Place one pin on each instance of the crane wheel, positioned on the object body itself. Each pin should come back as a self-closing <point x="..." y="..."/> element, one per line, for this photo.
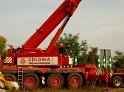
<point x="31" y="81"/>
<point x="9" y="77"/>
<point x="117" y="82"/>
<point x="55" y="81"/>
<point x="74" y="80"/>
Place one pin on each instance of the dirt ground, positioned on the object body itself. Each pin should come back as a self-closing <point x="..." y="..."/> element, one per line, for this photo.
<point x="96" y="89"/>
<point x="118" y="90"/>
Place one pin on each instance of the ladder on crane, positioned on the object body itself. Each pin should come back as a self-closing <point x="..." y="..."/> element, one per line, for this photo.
<point x="20" y="77"/>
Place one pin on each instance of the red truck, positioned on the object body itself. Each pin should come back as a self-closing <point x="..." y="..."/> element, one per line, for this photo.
<point x="32" y="67"/>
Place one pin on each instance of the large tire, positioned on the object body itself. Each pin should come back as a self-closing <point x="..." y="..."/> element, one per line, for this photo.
<point x="55" y="81"/>
<point x="74" y="80"/>
<point x="117" y="81"/>
<point x="10" y="77"/>
<point x="31" y="81"/>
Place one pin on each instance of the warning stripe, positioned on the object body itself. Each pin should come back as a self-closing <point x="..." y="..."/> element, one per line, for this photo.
<point x="8" y="60"/>
<point x="43" y="80"/>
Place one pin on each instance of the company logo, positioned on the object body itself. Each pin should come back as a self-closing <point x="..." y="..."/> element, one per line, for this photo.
<point x="22" y="61"/>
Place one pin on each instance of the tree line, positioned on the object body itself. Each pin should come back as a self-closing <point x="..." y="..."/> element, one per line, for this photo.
<point x="85" y="54"/>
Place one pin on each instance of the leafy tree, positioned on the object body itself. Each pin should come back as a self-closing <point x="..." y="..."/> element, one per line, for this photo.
<point x="2" y="44"/>
<point x="92" y="55"/>
<point x="83" y="53"/>
<point x="119" y="60"/>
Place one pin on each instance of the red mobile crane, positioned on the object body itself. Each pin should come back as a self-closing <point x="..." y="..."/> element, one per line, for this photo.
<point x="29" y="59"/>
<point x="29" y="54"/>
<point x="31" y="66"/>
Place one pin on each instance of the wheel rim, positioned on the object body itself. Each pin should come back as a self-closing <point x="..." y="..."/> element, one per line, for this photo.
<point x="56" y="81"/>
<point x="8" y="78"/>
<point x="117" y="82"/>
<point x="30" y="82"/>
<point x="75" y="81"/>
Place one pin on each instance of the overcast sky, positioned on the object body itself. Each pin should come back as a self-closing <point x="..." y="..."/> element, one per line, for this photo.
<point x="100" y="22"/>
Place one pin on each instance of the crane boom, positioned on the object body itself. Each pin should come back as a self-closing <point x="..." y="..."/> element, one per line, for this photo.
<point x="66" y="8"/>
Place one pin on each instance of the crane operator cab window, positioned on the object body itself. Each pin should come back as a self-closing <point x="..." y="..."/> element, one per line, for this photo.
<point x="63" y="51"/>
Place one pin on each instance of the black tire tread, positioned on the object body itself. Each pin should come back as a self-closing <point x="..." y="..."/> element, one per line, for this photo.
<point x="74" y="74"/>
<point x="54" y="75"/>
<point x="121" y="81"/>
<point x="11" y="75"/>
<point x="36" y="79"/>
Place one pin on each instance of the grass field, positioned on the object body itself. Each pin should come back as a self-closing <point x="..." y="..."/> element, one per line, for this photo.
<point x="83" y="89"/>
<point x="96" y="89"/>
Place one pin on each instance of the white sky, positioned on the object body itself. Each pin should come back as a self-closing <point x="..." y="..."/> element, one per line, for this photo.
<point x="100" y="22"/>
